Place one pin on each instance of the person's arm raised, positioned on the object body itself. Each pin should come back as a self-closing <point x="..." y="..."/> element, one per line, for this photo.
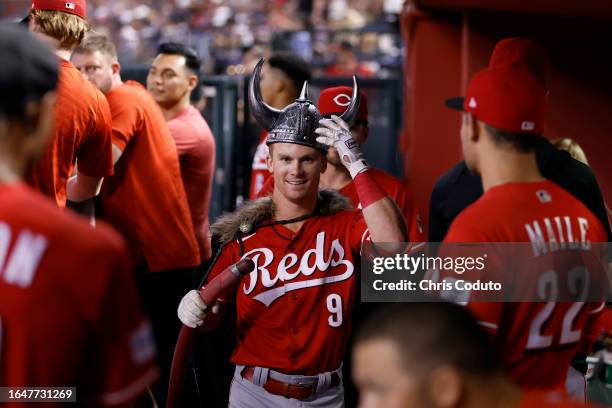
<point x="382" y="215"/>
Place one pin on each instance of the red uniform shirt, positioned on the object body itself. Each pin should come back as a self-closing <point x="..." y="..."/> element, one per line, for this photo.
<point x="535" y="344"/>
<point x="82" y="132"/>
<point x="195" y="145"/>
<point x="539" y="399"/>
<point x="394" y="187"/>
<point x="70" y="313"/>
<point x="145" y="199"/>
<point x="259" y="172"/>
<point x="294" y="309"/>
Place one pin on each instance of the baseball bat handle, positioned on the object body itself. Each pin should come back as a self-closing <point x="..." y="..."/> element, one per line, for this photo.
<point x="182" y="351"/>
<point x="225" y="280"/>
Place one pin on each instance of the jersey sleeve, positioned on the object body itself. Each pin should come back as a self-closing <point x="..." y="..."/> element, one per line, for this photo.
<point x="227" y="257"/>
<point x="358" y="231"/>
<point x="414" y="223"/>
<point x="122" y="354"/>
<point x="95" y="155"/>
<point x="180" y="132"/>
<point x="126" y="117"/>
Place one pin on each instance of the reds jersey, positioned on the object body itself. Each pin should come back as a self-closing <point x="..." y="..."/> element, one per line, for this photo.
<point x="70" y="313"/>
<point x="542" y="399"/>
<point x="398" y="191"/>
<point x="259" y="172"/>
<point x="536" y="341"/>
<point x="294" y="309"/>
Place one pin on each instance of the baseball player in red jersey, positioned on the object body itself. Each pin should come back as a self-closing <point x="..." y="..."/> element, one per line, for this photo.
<point x="281" y="78"/>
<point x="503" y="111"/>
<point x="333" y="101"/>
<point x="294" y="308"/>
<point x="70" y="314"/>
<point x="445" y="360"/>
<point x="82" y="122"/>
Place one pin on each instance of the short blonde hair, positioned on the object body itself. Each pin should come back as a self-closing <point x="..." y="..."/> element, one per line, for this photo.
<point x="93" y="42"/>
<point x="572" y="147"/>
<point x="66" y="28"/>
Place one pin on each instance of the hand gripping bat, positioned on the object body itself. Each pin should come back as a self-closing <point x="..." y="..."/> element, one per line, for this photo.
<point x="182" y="352"/>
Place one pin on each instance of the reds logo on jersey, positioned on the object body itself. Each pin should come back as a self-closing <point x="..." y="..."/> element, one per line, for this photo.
<point x="313" y="265"/>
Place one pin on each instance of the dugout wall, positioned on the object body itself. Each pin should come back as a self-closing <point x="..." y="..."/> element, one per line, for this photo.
<point x="448" y="41"/>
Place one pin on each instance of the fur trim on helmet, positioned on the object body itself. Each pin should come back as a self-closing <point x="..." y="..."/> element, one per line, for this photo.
<point x="248" y="217"/>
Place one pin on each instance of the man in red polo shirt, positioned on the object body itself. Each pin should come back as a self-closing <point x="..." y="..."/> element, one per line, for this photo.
<point x="145" y="199"/>
<point x="173" y="75"/>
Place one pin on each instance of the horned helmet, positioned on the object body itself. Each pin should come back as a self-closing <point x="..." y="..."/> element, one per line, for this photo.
<point x="296" y="123"/>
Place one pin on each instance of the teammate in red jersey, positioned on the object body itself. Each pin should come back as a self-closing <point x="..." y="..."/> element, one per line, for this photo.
<point x="70" y="315"/>
<point x="503" y="113"/>
<point x="146" y="186"/>
<point x="333" y="101"/>
<point x="82" y="121"/>
<point x="294" y="309"/>
<point x="281" y="79"/>
<point x="445" y="360"/>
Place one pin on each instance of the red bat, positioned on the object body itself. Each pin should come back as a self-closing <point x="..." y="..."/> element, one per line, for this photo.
<point x="182" y="352"/>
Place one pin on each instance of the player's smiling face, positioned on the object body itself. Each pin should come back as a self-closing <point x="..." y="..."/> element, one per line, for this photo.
<point x="296" y="169"/>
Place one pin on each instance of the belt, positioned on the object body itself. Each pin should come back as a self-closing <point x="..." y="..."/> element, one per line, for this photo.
<point x="286" y="390"/>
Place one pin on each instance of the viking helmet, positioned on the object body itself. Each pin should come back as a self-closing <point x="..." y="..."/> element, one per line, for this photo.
<point x="297" y="122"/>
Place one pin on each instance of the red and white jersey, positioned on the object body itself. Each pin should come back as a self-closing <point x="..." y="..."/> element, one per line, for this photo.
<point x="259" y="171"/>
<point x="70" y="313"/>
<point x="294" y="309"/>
<point x="536" y="341"/>
<point x="395" y="188"/>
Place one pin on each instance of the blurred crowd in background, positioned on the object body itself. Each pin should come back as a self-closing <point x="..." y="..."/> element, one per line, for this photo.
<point x="231" y="35"/>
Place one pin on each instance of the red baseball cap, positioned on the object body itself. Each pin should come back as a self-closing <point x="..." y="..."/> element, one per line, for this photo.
<point x="521" y="51"/>
<point x="76" y="7"/>
<point x="334" y="101"/>
<point x="507" y="98"/>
